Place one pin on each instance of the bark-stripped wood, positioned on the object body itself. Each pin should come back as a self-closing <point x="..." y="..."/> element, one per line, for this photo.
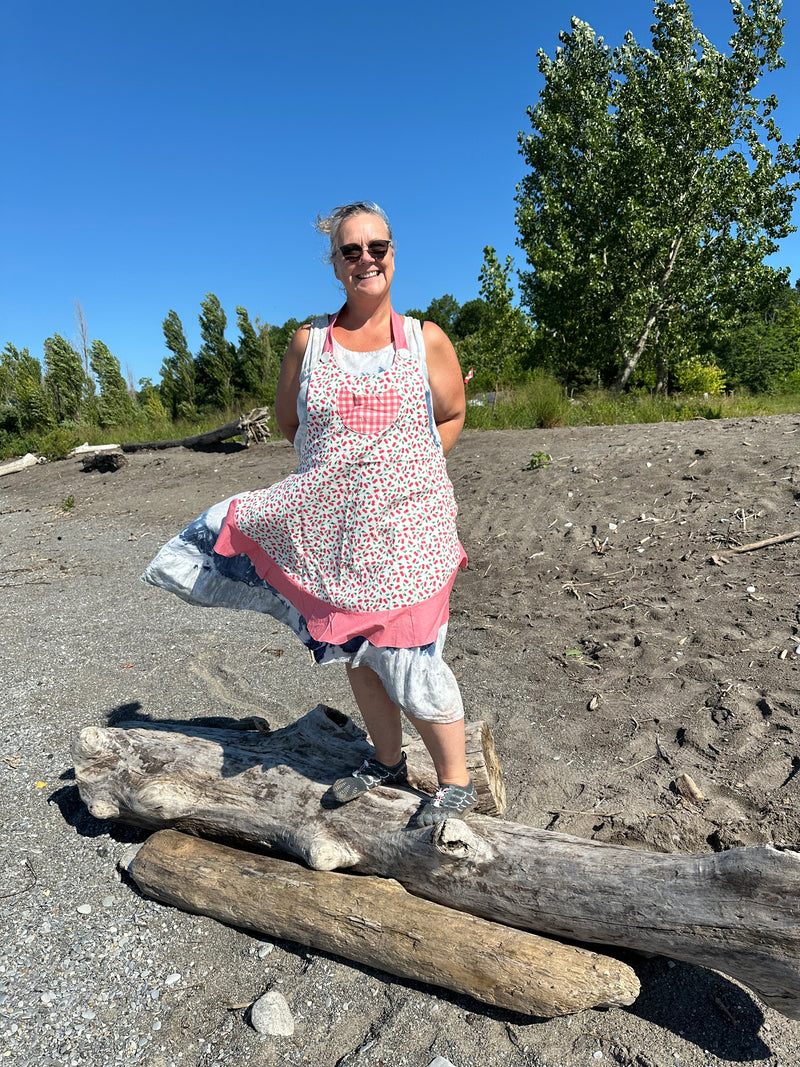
<point x="737" y="911"/>
<point x="376" y="922"/>
<point x="252" y="426"/>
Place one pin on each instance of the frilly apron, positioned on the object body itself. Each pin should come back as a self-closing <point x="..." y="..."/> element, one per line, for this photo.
<point x="361" y="540"/>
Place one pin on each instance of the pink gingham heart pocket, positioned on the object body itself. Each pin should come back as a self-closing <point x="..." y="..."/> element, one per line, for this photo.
<point x="369" y="413"/>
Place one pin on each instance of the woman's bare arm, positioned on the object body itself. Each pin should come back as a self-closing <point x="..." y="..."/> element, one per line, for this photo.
<point x="447" y="385"/>
<point x="289" y="385"/>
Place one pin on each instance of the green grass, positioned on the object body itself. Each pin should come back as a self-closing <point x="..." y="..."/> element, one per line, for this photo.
<point x="543" y="404"/>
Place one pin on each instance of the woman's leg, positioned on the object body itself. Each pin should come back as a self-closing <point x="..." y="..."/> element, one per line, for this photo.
<point x="446" y="745"/>
<point x="443" y="740"/>
<point x="380" y="714"/>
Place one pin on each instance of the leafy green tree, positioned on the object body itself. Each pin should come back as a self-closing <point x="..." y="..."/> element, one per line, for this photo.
<point x="505" y="338"/>
<point x="470" y="318"/>
<point x="22" y="391"/>
<point x="443" y="310"/>
<point x="65" y="380"/>
<point x="150" y="400"/>
<point x="178" y="375"/>
<point x="657" y="181"/>
<point x="216" y="360"/>
<point x="114" y="404"/>
<point x="254" y="357"/>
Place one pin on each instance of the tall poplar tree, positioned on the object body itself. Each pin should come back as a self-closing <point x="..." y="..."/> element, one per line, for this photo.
<point x="178" y="373"/>
<point x="114" y="404"/>
<point x="64" y="379"/>
<point x="658" y="184"/>
<point x="254" y="357"/>
<point x="216" y="360"/>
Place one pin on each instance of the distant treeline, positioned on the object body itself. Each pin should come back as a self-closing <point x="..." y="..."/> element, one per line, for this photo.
<point x="80" y="384"/>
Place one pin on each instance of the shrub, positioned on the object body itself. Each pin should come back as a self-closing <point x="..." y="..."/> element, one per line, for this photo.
<point x="694" y="375"/>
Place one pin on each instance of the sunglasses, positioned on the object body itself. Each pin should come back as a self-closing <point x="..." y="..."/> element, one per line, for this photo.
<point x="353" y="253"/>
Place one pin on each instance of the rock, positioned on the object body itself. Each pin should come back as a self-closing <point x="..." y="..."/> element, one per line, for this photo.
<point x="440" y="1061"/>
<point x="270" y="1015"/>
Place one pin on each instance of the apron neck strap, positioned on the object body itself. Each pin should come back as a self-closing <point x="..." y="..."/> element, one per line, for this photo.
<point x="398" y="332"/>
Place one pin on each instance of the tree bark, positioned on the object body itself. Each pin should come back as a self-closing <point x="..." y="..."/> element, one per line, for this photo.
<point x="738" y="911"/>
<point x="374" y="921"/>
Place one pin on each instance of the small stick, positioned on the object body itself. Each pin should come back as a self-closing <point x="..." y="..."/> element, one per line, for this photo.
<point x="763" y="544"/>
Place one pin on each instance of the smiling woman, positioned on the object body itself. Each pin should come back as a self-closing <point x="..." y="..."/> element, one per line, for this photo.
<point x="357" y="551"/>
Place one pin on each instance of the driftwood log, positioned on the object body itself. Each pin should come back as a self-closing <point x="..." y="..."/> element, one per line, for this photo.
<point x="254" y="426"/>
<point x="375" y="921"/>
<point x="737" y="911"/>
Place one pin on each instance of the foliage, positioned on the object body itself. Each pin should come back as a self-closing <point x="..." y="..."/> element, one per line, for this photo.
<point x="114" y="405"/>
<point x="22" y="390"/>
<point x="57" y="444"/>
<point x="696" y="375"/>
<point x="254" y="358"/>
<point x="178" y="375"/>
<point x="657" y="186"/>
<point x="65" y="381"/>
<point x="216" y="360"/>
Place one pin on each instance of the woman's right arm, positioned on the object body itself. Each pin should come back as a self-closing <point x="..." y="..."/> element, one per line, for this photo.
<point x="289" y="385"/>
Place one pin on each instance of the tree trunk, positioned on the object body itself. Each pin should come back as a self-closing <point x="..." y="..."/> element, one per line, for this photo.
<point x="252" y="425"/>
<point x="738" y="911"/>
<point x="374" y="921"/>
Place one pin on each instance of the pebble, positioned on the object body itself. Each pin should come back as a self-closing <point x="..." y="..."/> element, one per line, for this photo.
<point x="84" y="909"/>
<point x="172" y="979"/>
<point x="265" y="951"/>
<point x="440" y="1061"/>
<point x="107" y="902"/>
<point x="599" y="1055"/>
<point x="751" y="589"/>
<point x="270" y="1014"/>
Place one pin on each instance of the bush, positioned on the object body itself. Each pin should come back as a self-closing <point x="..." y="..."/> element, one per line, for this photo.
<point x="697" y="377"/>
<point x="57" y="444"/>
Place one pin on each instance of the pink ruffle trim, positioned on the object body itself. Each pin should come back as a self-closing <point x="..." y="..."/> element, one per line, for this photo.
<point x="407" y="627"/>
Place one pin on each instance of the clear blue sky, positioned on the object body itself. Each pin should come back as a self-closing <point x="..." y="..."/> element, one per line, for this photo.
<point x="156" y="151"/>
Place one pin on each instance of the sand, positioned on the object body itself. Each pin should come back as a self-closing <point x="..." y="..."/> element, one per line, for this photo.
<point x="604" y="629"/>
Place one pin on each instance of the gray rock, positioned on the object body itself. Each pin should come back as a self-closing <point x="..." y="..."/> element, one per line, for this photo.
<point x="270" y="1015"/>
<point x="440" y="1061"/>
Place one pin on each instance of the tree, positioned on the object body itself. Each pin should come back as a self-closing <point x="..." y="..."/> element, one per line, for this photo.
<point x="655" y="178"/>
<point x="443" y="310"/>
<point x="254" y="357"/>
<point x="22" y="390"/>
<point x="178" y="384"/>
<point x="505" y="337"/>
<point x="114" y="405"/>
<point x="64" y="379"/>
<point x="216" y="360"/>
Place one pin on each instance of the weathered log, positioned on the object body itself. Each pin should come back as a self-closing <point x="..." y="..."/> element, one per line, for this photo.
<point x="376" y="922"/>
<point x="14" y="466"/>
<point x="737" y="911"/>
<point x="253" y="425"/>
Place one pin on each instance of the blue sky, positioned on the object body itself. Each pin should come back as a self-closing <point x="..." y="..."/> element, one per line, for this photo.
<point x="157" y="151"/>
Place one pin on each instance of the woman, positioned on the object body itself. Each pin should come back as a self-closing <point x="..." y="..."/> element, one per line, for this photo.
<point x="358" y="550"/>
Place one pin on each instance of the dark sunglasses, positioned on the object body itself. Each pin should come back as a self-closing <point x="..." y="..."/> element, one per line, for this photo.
<point x="353" y="253"/>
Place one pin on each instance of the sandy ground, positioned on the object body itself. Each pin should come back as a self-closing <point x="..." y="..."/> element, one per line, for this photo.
<point x="602" y="630"/>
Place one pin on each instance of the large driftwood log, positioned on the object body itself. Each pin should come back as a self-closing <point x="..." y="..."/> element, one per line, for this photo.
<point x="737" y="911"/>
<point x="376" y="922"/>
<point x="252" y="426"/>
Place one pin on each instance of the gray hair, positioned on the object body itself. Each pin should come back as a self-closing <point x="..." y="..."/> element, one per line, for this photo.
<point x="332" y="223"/>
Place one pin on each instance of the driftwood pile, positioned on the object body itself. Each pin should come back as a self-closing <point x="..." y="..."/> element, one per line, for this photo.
<point x="448" y="904"/>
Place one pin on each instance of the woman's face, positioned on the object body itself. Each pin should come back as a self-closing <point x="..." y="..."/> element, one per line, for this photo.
<point x="367" y="276"/>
